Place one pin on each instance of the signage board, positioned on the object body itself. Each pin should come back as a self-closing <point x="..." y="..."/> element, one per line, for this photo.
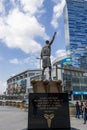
<point x="66" y="62"/>
<point x="48" y="111"/>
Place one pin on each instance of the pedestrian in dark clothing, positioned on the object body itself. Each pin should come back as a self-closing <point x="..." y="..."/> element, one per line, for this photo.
<point x="85" y="112"/>
<point x="81" y="109"/>
<point x="77" y="110"/>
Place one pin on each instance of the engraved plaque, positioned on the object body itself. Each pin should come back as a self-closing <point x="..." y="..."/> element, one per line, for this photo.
<point x="48" y="111"/>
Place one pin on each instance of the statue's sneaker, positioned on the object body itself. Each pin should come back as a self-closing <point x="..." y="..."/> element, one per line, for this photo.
<point x="50" y="79"/>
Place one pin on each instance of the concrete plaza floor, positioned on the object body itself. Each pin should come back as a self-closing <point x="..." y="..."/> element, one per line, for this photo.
<point x="77" y="124"/>
<point x="12" y="118"/>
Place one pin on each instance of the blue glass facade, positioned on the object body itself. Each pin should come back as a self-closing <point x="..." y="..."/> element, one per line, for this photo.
<point x="75" y="19"/>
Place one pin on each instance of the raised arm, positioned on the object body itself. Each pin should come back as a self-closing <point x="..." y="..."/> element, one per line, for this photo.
<point x="52" y="39"/>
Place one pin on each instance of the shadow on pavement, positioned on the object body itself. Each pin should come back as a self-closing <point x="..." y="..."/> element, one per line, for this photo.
<point x="58" y="129"/>
<point x="74" y="129"/>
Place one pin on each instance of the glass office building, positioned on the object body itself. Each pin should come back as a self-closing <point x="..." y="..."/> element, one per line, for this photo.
<point x="75" y="22"/>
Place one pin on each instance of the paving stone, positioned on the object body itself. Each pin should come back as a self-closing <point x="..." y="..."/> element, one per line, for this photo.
<point x="12" y="118"/>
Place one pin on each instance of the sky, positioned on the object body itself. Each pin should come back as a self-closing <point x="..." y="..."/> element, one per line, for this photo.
<point x="24" y="27"/>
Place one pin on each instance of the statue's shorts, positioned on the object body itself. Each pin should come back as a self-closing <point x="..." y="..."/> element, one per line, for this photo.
<point x="46" y="62"/>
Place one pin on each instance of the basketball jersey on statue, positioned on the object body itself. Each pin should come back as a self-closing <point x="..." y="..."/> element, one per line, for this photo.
<point x="46" y="51"/>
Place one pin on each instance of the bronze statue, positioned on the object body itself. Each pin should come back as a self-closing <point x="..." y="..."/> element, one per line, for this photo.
<point x="45" y="56"/>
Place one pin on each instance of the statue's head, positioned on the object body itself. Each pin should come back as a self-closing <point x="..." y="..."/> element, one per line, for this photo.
<point x="47" y="41"/>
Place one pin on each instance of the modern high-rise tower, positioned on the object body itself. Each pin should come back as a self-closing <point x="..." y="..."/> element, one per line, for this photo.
<point x="75" y="22"/>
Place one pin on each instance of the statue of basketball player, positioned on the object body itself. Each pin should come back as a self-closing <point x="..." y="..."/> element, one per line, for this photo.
<point x="45" y="56"/>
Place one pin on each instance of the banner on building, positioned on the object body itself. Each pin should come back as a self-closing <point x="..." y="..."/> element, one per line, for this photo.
<point x="66" y="62"/>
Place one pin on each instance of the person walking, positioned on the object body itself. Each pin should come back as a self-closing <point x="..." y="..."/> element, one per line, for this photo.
<point x="81" y="109"/>
<point x="77" y="109"/>
<point x="85" y="112"/>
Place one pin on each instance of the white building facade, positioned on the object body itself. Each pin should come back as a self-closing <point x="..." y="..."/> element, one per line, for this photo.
<point x="20" y="83"/>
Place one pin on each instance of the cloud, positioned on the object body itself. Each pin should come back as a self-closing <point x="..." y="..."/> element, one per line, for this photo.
<point x="27" y="60"/>
<point x="2" y="10"/>
<point x="32" y="7"/>
<point x="20" y="27"/>
<point x="22" y="61"/>
<point x="52" y="58"/>
<point x="60" y="53"/>
<point x="3" y="86"/>
<point x="18" y="61"/>
<point x="57" y="12"/>
<point x="15" y="61"/>
<point x="1" y="7"/>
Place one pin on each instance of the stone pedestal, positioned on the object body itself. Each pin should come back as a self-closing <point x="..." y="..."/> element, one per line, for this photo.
<point x="47" y="86"/>
<point x="48" y="106"/>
